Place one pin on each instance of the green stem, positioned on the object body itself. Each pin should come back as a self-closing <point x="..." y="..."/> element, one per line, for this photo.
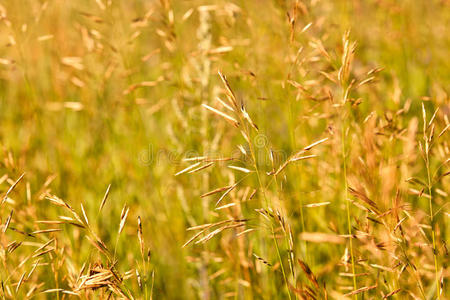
<point x="344" y="157"/>
<point x="433" y="233"/>
<point x="252" y="152"/>
<point x="294" y="145"/>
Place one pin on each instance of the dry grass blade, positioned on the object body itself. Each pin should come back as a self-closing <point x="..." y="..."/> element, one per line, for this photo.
<point x="135" y="86"/>
<point x="226" y="206"/>
<point x="226" y="193"/>
<point x="44" y="246"/>
<point x="222" y="114"/>
<point x="309" y="147"/>
<point x="353" y="275"/>
<point x="224" y="104"/>
<point x="367" y="80"/>
<point x="220" y="50"/>
<point x="139" y="280"/>
<point x="43" y="252"/>
<point x="208" y="159"/>
<point x="433" y="117"/>
<point x="8" y="220"/>
<point x="12" y="188"/>
<point x="309" y="274"/>
<point x="19" y="284"/>
<point x="188" y="168"/>
<point x="84" y="214"/>
<point x="74" y="62"/>
<point x="245" y="232"/>
<point x="140" y="236"/>
<point x="33" y="268"/>
<point x="392" y="293"/>
<point x="245" y="170"/>
<point x="123" y="218"/>
<point x="294" y="159"/>
<point x="317" y="204"/>
<point x="298" y="156"/>
<point x="361" y="290"/>
<point x="384" y="268"/>
<point x="13" y="246"/>
<point x="215" y="191"/>
<point x="306" y="27"/>
<point x="248" y="119"/>
<point x="149" y="55"/>
<point x="70" y="293"/>
<point x="52" y="291"/>
<point x="201" y="167"/>
<point x="193" y="238"/>
<point x="198" y="227"/>
<point x="196" y="158"/>
<point x="230" y="93"/>
<point x="262" y="260"/>
<point x="205" y="227"/>
<point x="46" y="231"/>
<point x="319" y="237"/>
<point x="59" y="202"/>
<point x="99" y="245"/>
<point x="361" y="196"/>
<point x="444" y="130"/>
<point x="211" y="234"/>
<point x="104" y="198"/>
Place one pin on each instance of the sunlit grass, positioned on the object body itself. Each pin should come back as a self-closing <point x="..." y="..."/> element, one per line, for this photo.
<point x="224" y="149"/>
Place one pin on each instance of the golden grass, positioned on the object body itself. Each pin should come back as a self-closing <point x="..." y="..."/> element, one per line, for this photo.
<point x="224" y="149"/>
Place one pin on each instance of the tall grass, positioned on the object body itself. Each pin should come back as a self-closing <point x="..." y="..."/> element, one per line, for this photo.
<point x="224" y="149"/>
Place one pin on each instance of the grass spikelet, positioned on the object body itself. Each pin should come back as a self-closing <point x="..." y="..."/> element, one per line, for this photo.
<point x="8" y="220"/>
<point x="191" y="167"/>
<point x="245" y="170"/>
<point x="140" y="236"/>
<point x="361" y="290"/>
<point x="11" y="188"/>
<point x="215" y="191"/>
<point x="207" y="165"/>
<point x="309" y="274"/>
<point x="105" y="197"/>
<point x="317" y="204"/>
<point x="226" y="193"/>
<point x="230" y="94"/>
<point x="262" y="260"/>
<point x="233" y="121"/>
<point x="123" y="218"/>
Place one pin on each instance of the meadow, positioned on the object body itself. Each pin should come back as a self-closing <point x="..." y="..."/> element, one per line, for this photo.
<point x="228" y="149"/>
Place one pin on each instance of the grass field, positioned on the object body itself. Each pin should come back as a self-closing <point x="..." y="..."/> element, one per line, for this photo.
<point x="241" y="149"/>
